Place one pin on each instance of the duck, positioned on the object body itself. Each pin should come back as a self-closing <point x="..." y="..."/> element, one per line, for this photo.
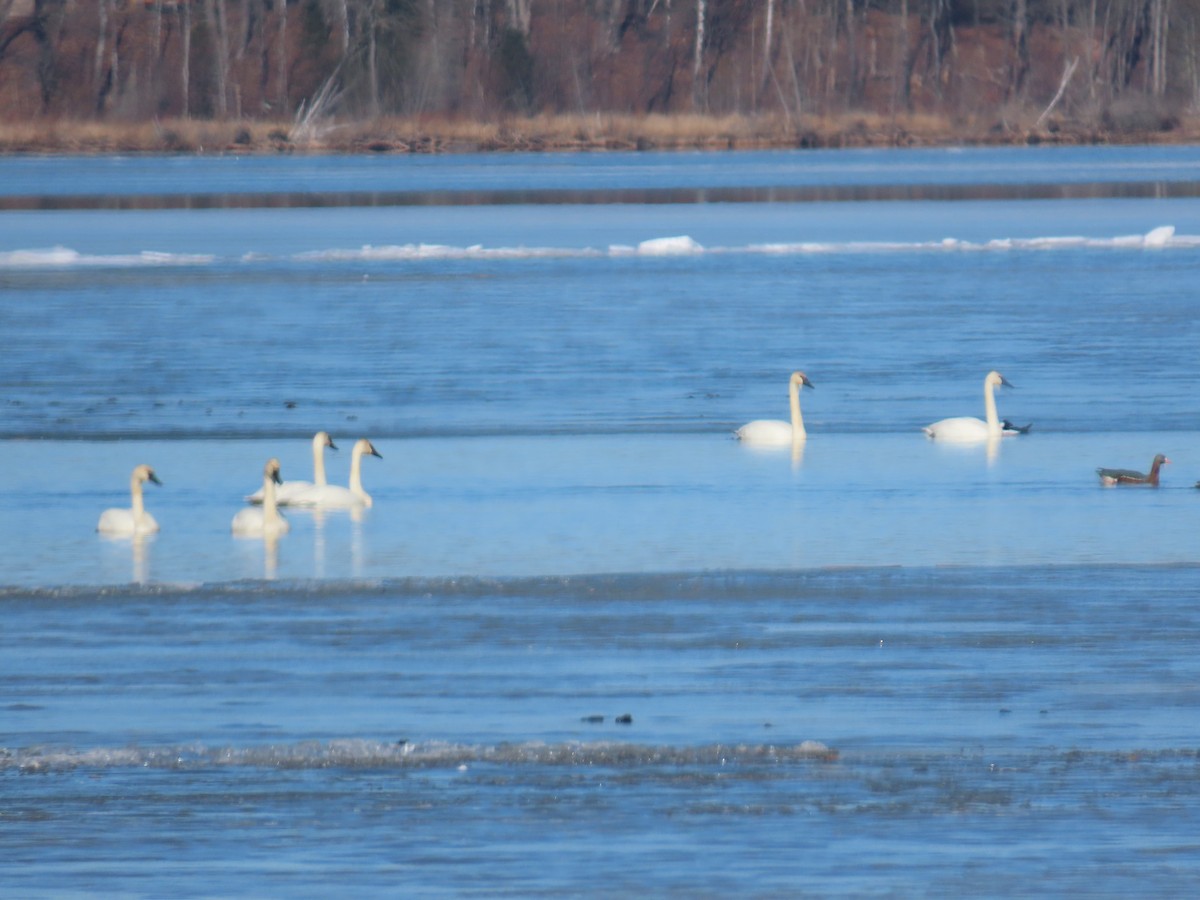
<point x="331" y="496"/>
<point x="776" y="432"/>
<point x="1109" y="477"/>
<point x="263" y="521"/>
<point x="1008" y="429"/>
<point x="284" y="492"/>
<point x="135" y="520"/>
<point x="968" y="428"/>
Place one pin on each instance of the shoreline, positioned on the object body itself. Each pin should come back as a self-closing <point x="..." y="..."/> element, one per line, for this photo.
<point x="558" y="134"/>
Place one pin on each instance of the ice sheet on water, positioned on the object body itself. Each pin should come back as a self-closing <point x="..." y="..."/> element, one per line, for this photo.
<point x="680" y="245"/>
<point x="65" y="257"/>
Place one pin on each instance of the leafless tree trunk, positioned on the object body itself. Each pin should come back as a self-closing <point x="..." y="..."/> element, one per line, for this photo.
<point x="520" y="15"/>
<point x="186" y="63"/>
<point x="1020" y="49"/>
<point x="102" y="10"/>
<point x="283" y="58"/>
<point x="372" y="58"/>
<point x="1062" y="88"/>
<point x="1159" y="24"/>
<point x="156" y="30"/>
<point x="901" y="67"/>
<point x="768" y="36"/>
<point x="341" y="11"/>
<point x="698" y="55"/>
<point x="153" y="60"/>
<point x="853" y="76"/>
<point x="220" y="52"/>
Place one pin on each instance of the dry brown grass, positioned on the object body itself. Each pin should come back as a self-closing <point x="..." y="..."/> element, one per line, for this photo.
<point x="557" y="133"/>
<point x="174" y="136"/>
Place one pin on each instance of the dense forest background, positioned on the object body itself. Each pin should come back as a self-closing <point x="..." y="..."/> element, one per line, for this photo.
<point x="1126" y="63"/>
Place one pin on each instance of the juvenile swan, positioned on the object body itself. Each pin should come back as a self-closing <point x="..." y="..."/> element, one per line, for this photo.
<point x="333" y="495"/>
<point x="968" y="428"/>
<point x="1109" y="477"/>
<point x="775" y="432"/>
<point x="130" y="522"/>
<point x="287" y="490"/>
<point x="263" y="521"/>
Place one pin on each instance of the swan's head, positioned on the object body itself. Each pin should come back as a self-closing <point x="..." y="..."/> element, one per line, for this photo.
<point x="322" y="439"/>
<point x="271" y="470"/>
<point x="144" y="473"/>
<point x="995" y="379"/>
<point x="799" y="379"/>
<point x="365" y="448"/>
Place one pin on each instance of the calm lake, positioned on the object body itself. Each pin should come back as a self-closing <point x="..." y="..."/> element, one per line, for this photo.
<point x="583" y="641"/>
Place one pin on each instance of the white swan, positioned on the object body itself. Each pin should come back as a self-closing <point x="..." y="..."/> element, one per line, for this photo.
<point x="133" y="521"/>
<point x="287" y="490"/>
<point x="263" y="521"/>
<point x="775" y="432"/>
<point x="333" y="495"/>
<point x="968" y="428"/>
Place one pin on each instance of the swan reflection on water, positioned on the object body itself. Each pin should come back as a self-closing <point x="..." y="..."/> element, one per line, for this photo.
<point x="357" y="550"/>
<point x="139" y="553"/>
<point x="318" y="516"/>
<point x="324" y="519"/>
<point x="270" y="557"/>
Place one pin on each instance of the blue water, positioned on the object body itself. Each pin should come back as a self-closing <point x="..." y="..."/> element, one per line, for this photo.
<point x="875" y="666"/>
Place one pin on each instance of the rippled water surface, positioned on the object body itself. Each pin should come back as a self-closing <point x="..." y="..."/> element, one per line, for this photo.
<point x="583" y="641"/>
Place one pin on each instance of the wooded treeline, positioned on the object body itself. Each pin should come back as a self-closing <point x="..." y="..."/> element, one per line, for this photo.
<point x="137" y="60"/>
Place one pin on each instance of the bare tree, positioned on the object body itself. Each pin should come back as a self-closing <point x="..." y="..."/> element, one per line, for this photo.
<point x="373" y="55"/>
<point x="98" y="57"/>
<point x="1159" y="25"/>
<point x="341" y="11"/>
<point x="185" y="74"/>
<point x="282" y="56"/>
<point x="215" y="10"/>
<point x="901" y="64"/>
<point x="768" y="40"/>
<point x="1019" y="65"/>
<point x="520" y="16"/>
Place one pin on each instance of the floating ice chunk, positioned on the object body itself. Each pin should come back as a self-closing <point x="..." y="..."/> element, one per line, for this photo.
<point x="155" y="258"/>
<point x="669" y="246"/>
<point x="416" y="252"/>
<point x="806" y="247"/>
<point x="64" y="256"/>
<point x="1159" y="237"/>
<point x="817" y="748"/>
<point x="53" y="256"/>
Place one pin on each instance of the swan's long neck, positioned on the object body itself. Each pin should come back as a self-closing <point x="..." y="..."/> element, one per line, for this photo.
<point x="798" y="432"/>
<point x="135" y="492"/>
<point x="989" y="404"/>
<point x="319" y="461"/>
<point x="269" y="507"/>
<point x="356" y="487"/>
